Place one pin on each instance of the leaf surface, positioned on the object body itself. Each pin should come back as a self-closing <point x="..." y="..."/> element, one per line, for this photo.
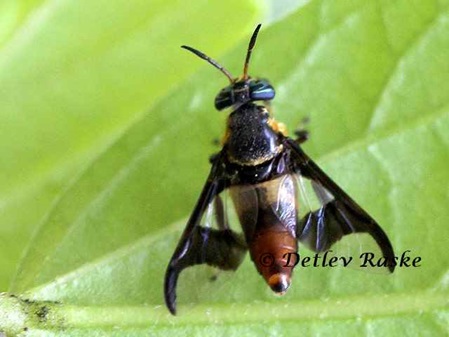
<point x="373" y="76"/>
<point x="74" y="75"/>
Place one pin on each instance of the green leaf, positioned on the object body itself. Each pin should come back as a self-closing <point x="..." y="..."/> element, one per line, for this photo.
<point x="74" y="76"/>
<point x="373" y="76"/>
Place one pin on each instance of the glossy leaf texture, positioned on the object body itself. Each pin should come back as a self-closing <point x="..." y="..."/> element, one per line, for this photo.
<point x="373" y="77"/>
<point x="74" y="75"/>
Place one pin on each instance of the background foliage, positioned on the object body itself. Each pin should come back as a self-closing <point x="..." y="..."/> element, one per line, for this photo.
<point x="106" y="127"/>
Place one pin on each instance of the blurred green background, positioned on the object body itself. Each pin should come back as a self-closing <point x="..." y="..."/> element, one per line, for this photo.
<point x="106" y="126"/>
<point x="75" y="75"/>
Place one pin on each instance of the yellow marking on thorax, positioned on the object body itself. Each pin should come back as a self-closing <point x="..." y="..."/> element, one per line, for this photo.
<point x="259" y="160"/>
<point x="277" y="126"/>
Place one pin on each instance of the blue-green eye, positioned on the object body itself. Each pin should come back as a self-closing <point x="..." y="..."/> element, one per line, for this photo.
<point x="243" y="92"/>
<point x="261" y="90"/>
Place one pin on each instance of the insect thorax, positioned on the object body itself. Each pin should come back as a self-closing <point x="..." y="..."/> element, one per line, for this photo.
<point x="250" y="139"/>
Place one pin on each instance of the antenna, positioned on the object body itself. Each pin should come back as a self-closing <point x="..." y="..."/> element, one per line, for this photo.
<point x="252" y="42"/>
<point x="211" y="61"/>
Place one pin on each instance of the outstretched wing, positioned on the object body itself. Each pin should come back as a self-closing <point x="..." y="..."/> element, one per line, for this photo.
<point x="200" y="243"/>
<point x="337" y="215"/>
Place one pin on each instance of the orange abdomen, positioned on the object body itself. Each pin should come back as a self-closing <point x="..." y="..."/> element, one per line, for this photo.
<point x="269" y="251"/>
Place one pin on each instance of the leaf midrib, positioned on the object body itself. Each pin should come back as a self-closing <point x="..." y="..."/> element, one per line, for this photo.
<point x="353" y="307"/>
<point x="318" y="309"/>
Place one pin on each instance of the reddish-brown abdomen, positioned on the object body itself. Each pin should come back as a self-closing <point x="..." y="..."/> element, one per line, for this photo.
<point x="268" y="215"/>
<point x="269" y="251"/>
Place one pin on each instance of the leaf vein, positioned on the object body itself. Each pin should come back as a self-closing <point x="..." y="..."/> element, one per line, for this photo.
<point x="397" y="62"/>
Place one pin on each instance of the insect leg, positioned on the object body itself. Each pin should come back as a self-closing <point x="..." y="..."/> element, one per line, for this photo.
<point x="301" y="132"/>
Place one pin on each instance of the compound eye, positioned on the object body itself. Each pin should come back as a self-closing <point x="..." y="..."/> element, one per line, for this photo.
<point x="224" y="99"/>
<point x="261" y="90"/>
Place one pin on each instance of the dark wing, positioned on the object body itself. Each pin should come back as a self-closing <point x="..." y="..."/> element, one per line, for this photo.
<point x="338" y="214"/>
<point x="201" y="244"/>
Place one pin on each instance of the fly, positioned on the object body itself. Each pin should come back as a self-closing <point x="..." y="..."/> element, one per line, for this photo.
<point x="265" y="173"/>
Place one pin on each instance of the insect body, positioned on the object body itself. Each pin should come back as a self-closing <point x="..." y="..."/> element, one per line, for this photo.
<point x="264" y="173"/>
